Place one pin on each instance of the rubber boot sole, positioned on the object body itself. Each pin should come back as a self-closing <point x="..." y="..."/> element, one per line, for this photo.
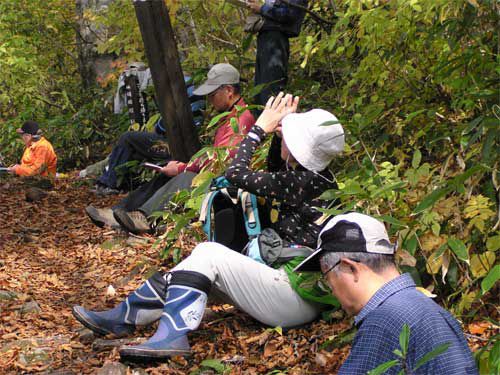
<point x="87" y="323"/>
<point x="148" y="355"/>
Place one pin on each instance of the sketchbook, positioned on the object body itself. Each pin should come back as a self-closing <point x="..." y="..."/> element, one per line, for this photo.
<point x="238" y="3"/>
<point x="152" y="166"/>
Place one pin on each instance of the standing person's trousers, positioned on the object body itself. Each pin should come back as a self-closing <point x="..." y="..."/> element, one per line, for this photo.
<point x="259" y="290"/>
<point x="143" y="146"/>
<point x="271" y="65"/>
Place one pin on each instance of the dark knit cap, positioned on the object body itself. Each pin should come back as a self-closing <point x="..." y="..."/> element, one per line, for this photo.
<point x="29" y="127"/>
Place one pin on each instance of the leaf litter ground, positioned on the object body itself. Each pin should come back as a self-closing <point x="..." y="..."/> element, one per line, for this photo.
<point x="53" y="257"/>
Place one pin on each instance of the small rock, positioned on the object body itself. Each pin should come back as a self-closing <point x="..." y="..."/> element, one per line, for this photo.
<point x="113" y="368"/>
<point x="321" y="360"/>
<point x="35" y="194"/>
<point x="137" y="241"/>
<point x="36" y="356"/>
<point x="7" y="295"/>
<point x="86" y="336"/>
<point x="139" y="371"/>
<point x="30" y="307"/>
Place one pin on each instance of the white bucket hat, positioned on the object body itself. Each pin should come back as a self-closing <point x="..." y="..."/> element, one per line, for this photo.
<point x="313" y="138"/>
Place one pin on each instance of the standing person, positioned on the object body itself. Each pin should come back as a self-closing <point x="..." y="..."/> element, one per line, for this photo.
<point x="39" y="158"/>
<point x="222" y="89"/>
<point x="281" y="20"/>
<point x="273" y="296"/>
<point x="356" y="258"/>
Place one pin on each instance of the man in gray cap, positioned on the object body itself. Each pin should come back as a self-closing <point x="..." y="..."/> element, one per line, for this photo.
<point x="222" y="89"/>
<point x="356" y="258"/>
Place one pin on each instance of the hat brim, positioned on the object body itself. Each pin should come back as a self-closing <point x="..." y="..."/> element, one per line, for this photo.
<point x="206" y="88"/>
<point x="311" y="263"/>
<point x="299" y="144"/>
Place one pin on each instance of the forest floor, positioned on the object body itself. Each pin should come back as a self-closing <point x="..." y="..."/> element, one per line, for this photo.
<point x="52" y="257"/>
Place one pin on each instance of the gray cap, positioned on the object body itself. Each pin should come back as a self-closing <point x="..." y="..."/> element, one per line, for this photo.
<point x="219" y="75"/>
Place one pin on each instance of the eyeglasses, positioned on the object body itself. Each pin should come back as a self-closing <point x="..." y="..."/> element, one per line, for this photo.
<point x="331" y="268"/>
<point x="212" y="94"/>
<point x="336" y="264"/>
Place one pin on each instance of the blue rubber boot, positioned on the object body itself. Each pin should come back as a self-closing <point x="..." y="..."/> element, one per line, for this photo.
<point x="144" y="306"/>
<point x="184" y="307"/>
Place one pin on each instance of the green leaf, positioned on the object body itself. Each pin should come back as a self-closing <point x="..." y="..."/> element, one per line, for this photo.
<point x="491" y="278"/>
<point x="493" y="243"/>
<point x="234" y="125"/>
<point x="328" y="123"/>
<point x="392" y="220"/>
<point x="459" y="248"/>
<point x="381" y="369"/>
<point x="417" y="158"/>
<point x="216" y="119"/>
<point x="495" y="357"/>
<point x="215" y="364"/>
<point x="404" y="339"/>
<point x="432" y="354"/>
<point x="430" y="200"/>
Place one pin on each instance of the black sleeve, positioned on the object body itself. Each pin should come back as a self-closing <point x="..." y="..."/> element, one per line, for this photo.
<point x="285" y="186"/>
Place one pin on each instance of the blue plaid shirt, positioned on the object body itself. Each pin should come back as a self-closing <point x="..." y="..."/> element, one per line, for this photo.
<point x="380" y="323"/>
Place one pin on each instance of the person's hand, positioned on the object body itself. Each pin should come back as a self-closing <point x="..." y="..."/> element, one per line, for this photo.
<point x="254" y="5"/>
<point x="275" y="110"/>
<point x="12" y="168"/>
<point x="171" y="169"/>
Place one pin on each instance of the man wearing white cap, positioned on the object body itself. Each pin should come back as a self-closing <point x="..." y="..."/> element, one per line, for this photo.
<point x="223" y="92"/>
<point x="268" y="291"/>
<point x="356" y="258"/>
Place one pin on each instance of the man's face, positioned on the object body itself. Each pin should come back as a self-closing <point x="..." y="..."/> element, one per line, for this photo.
<point x="341" y="281"/>
<point x="220" y="99"/>
<point x="26" y="138"/>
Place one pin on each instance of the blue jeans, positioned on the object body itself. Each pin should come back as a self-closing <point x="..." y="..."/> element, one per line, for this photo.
<point x="142" y="146"/>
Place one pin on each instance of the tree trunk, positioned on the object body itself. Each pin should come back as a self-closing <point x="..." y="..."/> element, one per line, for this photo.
<point x="168" y="79"/>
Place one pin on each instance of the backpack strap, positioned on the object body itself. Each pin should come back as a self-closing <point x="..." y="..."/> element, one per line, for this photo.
<point x="205" y="213"/>
<point x="251" y="214"/>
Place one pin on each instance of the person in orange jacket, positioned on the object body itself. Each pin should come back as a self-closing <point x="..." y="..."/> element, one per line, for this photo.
<point x="39" y="157"/>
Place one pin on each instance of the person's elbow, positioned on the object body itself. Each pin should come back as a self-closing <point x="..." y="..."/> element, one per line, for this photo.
<point x="231" y="175"/>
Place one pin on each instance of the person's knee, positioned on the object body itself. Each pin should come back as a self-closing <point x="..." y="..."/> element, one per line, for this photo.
<point x="125" y="138"/>
<point x="212" y="250"/>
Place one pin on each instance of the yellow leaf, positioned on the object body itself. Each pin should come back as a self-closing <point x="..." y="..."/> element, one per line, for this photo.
<point x="429" y="241"/>
<point x="434" y="262"/>
<point x="426" y="292"/>
<point x="274" y="215"/>
<point x="480" y="264"/>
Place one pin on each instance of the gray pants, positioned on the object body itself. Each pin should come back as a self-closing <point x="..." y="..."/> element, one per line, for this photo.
<point x="159" y="200"/>
<point x="261" y="291"/>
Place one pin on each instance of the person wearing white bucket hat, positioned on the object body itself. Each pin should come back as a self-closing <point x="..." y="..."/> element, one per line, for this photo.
<point x="269" y="291"/>
<point x="313" y="138"/>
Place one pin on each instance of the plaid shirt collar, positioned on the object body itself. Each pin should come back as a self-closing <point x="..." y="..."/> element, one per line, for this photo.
<point x="399" y="283"/>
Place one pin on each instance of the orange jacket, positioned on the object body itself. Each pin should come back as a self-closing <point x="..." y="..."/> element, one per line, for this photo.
<point x="38" y="159"/>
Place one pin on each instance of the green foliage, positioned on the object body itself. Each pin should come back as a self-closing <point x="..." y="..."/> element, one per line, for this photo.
<point x="213" y="364"/>
<point x="402" y="353"/>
